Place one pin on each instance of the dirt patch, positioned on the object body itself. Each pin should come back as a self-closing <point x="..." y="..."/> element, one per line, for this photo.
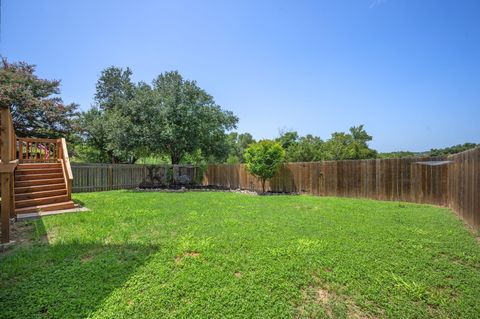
<point x="238" y="274"/>
<point x="323" y="296"/>
<point x="190" y="254"/>
<point x="86" y="258"/>
<point x="321" y="301"/>
<point x="22" y="233"/>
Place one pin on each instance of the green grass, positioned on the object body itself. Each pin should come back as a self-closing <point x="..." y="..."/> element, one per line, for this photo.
<point x="225" y="255"/>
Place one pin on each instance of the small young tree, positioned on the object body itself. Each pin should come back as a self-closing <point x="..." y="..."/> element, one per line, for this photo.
<point x="263" y="159"/>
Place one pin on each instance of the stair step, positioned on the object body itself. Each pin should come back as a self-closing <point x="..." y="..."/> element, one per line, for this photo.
<point x="39" y="165"/>
<point x="45" y="208"/>
<point x="40" y="194"/>
<point x="40" y="201"/>
<point x="39" y="182"/>
<point x="39" y="188"/>
<point x="35" y="171"/>
<point x="37" y="176"/>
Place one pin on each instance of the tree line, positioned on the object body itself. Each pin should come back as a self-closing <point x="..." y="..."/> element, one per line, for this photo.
<point x="310" y="148"/>
<point x="170" y="120"/>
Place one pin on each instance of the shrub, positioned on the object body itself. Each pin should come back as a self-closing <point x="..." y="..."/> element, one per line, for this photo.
<point x="263" y="159"/>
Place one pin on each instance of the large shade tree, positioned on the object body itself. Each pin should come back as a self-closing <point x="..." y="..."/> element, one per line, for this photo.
<point x="173" y="117"/>
<point x="185" y="119"/>
<point x="114" y="126"/>
<point x="37" y="109"/>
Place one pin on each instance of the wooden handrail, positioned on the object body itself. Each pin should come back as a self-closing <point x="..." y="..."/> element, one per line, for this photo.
<point x="67" y="169"/>
<point x="38" y="140"/>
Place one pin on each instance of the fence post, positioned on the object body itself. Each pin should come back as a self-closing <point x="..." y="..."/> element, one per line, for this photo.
<point x="110" y="177"/>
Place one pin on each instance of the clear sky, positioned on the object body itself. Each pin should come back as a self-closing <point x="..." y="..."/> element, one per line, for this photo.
<point x="407" y="69"/>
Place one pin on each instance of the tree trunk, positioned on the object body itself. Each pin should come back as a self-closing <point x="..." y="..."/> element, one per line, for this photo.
<point x="113" y="159"/>
<point x="263" y="186"/>
<point x="175" y="159"/>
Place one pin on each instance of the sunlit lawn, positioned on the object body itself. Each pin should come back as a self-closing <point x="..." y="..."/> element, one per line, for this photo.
<point x="226" y="255"/>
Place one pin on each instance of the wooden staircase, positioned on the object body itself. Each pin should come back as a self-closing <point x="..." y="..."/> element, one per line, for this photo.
<point x="40" y="187"/>
<point x="35" y="175"/>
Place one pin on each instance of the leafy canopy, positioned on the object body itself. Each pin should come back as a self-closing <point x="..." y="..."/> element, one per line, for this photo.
<point x="263" y="159"/>
<point x="453" y="149"/>
<point x="113" y="127"/>
<point x="173" y="117"/>
<point x="185" y="119"/>
<point x="341" y="146"/>
<point x="353" y="145"/>
<point x="37" y="110"/>
<point x="237" y="144"/>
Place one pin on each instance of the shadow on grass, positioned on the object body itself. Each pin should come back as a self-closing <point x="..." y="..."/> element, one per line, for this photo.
<point x="79" y="202"/>
<point x="41" y="280"/>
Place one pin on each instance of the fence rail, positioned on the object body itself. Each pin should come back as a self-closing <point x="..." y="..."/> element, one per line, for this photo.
<point x="454" y="182"/>
<point x="103" y="177"/>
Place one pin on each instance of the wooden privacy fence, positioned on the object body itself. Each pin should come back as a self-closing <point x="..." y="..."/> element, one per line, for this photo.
<point x="103" y="177"/>
<point x="452" y="181"/>
<point x="463" y="188"/>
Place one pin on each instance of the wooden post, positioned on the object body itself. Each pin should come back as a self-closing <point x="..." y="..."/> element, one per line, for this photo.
<point x="12" y="196"/>
<point x="110" y="178"/>
<point x="6" y="177"/>
<point x="6" y="200"/>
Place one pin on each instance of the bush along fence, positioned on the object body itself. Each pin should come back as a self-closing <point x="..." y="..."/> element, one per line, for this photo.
<point x="452" y="181"/>
<point x="103" y="177"/>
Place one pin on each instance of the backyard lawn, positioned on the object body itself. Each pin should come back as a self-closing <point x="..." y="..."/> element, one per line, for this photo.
<point x="221" y="255"/>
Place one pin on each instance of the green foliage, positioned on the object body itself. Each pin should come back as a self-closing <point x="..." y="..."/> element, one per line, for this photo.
<point x="287" y="139"/>
<point x="173" y="117"/>
<point x="360" y="139"/>
<point x="184" y="118"/>
<point x="340" y="146"/>
<point x="399" y="154"/>
<point x="348" y="146"/>
<point x="453" y="149"/>
<point x="433" y="152"/>
<point x="114" y="125"/>
<point x="114" y="88"/>
<point x="85" y="153"/>
<point x="308" y="148"/>
<point x="224" y="255"/>
<point x="263" y="159"/>
<point x="238" y="143"/>
<point x="37" y="110"/>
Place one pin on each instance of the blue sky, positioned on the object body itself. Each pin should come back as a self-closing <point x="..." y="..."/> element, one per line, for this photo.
<point x="407" y="69"/>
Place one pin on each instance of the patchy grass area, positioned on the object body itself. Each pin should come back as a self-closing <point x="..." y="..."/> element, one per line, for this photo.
<point x="220" y="255"/>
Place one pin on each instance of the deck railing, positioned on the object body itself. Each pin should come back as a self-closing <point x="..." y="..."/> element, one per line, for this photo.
<point x="37" y="150"/>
